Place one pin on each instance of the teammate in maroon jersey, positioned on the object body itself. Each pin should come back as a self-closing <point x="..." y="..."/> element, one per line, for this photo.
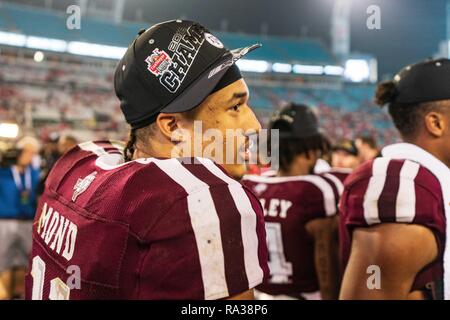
<point x="157" y="226"/>
<point x="394" y="208"/>
<point x="300" y="210"/>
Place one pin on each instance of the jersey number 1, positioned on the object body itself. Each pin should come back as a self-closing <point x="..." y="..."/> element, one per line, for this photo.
<point x="280" y="269"/>
<point x="58" y="289"/>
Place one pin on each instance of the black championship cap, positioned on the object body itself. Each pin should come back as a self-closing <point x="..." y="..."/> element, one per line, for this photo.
<point x="423" y="82"/>
<point x="171" y="67"/>
<point x="295" y="121"/>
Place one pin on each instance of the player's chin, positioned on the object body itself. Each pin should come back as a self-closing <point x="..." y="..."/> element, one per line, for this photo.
<point x="237" y="171"/>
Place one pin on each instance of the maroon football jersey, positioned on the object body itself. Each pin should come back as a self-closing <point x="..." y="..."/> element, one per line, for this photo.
<point x="146" y="229"/>
<point x="289" y="204"/>
<point x="340" y="173"/>
<point x="394" y="191"/>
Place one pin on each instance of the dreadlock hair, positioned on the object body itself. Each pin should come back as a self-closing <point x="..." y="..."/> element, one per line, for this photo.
<point x="130" y="147"/>
<point x="289" y="148"/>
<point x="139" y="136"/>
<point x="406" y="116"/>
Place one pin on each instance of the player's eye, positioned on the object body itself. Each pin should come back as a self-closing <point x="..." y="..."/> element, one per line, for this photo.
<point x="236" y="107"/>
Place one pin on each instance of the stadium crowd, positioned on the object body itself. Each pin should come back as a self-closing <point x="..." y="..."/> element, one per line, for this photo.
<point x="48" y="97"/>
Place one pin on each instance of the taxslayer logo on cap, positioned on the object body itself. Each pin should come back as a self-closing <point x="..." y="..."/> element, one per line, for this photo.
<point x="158" y="62"/>
<point x="172" y="70"/>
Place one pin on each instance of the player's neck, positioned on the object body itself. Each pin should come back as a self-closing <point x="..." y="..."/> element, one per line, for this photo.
<point x="432" y="147"/>
<point x="150" y="152"/>
<point x="372" y="153"/>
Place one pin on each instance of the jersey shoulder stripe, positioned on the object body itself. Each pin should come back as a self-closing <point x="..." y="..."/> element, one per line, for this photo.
<point x="322" y="184"/>
<point x="205" y="225"/>
<point x="337" y="183"/>
<point x="240" y="201"/>
<point x="225" y="226"/>
<point x="390" y="194"/>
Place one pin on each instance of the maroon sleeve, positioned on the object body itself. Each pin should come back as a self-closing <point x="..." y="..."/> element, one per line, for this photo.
<point x="406" y="193"/>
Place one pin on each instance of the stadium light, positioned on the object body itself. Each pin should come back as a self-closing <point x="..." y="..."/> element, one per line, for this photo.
<point x="333" y="70"/>
<point x="282" y="67"/>
<point x="73" y="47"/>
<point x="308" y="69"/>
<point x="95" y="50"/>
<point x="46" y="44"/>
<point x="357" y="70"/>
<point x="12" y="39"/>
<point x="38" y="56"/>
<point x="259" y="66"/>
<point x="9" y="130"/>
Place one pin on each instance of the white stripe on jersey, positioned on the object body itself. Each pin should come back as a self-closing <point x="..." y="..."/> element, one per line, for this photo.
<point x="324" y="186"/>
<point x="92" y="147"/>
<point x="374" y="189"/>
<point x="110" y="161"/>
<point x="405" y="206"/>
<point x="118" y="145"/>
<point x="205" y="224"/>
<point x="327" y="192"/>
<point x="339" y="185"/>
<point x="248" y="223"/>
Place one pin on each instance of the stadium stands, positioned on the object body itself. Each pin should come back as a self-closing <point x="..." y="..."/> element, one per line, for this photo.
<point x="82" y="97"/>
<point x="57" y="94"/>
<point x="42" y="23"/>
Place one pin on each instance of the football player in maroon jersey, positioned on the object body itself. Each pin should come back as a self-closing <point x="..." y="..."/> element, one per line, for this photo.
<point x="157" y="225"/>
<point x="394" y="208"/>
<point x="300" y="212"/>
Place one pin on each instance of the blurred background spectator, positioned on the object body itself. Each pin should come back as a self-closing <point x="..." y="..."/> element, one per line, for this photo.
<point x="19" y="176"/>
<point x="65" y="143"/>
<point x="367" y="148"/>
<point x="345" y="155"/>
<point x="53" y="148"/>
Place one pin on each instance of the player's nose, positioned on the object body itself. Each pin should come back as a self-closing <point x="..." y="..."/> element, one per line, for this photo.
<point x="252" y="123"/>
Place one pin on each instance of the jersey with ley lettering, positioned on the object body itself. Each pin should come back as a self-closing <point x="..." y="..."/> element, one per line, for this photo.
<point x="289" y="204"/>
<point x="395" y="191"/>
<point x="145" y="229"/>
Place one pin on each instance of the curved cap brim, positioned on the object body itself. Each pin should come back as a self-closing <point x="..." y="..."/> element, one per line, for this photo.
<point x="199" y="89"/>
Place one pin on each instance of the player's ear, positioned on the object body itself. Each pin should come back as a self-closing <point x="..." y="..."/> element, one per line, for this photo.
<point x="169" y="125"/>
<point x="435" y="123"/>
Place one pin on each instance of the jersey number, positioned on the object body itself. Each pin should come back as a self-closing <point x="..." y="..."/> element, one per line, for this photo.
<point x="280" y="269"/>
<point x="58" y="289"/>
